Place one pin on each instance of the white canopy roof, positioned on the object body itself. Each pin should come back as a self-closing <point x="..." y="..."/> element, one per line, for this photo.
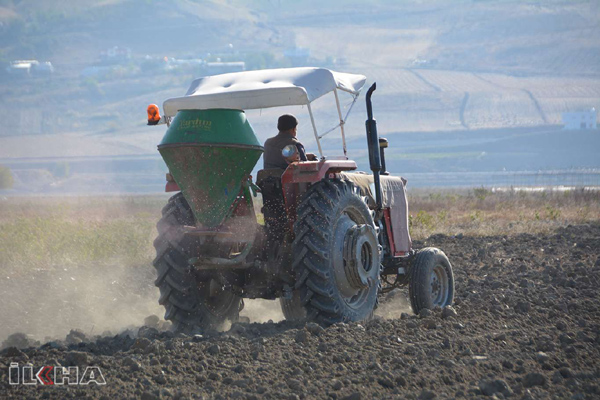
<point x="263" y="89"/>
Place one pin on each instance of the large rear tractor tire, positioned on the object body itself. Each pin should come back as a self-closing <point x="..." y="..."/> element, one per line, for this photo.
<point x="336" y="254"/>
<point x="292" y="308"/>
<point x="431" y="280"/>
<point x="191" y="305"/>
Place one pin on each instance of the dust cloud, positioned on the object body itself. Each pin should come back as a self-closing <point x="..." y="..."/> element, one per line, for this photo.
<point x="47" y="304"/>
<point x="393" y="304"/>
<point x="260" y="310"/>
<point x="390" y="307"/>
<point x="107" y="299"/>
<point x="96" y="300"/>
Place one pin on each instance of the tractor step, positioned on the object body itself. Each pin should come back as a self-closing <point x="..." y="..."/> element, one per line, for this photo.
<point x="216" y="232"/>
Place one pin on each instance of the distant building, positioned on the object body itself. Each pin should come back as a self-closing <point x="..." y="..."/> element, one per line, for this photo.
<point x="580" y="119"/>
<point x="115" y="55"/>
<point x="422" y="63"/>
<point x="22" y="67"/>
<point x="44" y="68"/>
<point x="173" y="63"/>
<point x="30" y="67"/>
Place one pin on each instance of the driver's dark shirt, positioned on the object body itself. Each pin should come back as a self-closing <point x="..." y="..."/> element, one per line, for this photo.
<point x="273" y="158"/>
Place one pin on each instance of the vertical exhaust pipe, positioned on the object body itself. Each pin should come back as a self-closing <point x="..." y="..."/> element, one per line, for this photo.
<point x="373" y="146"/>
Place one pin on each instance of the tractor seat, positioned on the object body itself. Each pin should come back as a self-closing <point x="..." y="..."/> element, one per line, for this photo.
<point x="269" y="174"/>
<point x="276" y="221"/>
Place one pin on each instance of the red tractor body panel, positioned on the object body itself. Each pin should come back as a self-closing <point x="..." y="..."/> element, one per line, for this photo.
<point x="172" y="187"/>
<point x="299" y="175"/>
<point x="314" y="171"/>
<point x="387" y="220"/>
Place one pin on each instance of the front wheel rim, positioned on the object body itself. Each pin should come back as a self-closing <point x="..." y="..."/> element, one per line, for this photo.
<point x="439" y="283"/>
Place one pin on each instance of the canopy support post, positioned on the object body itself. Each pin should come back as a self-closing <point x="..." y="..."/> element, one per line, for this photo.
<point x="312" y="121"/>
<point x="342" y="122"/>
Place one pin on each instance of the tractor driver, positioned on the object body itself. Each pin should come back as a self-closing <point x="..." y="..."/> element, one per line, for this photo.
<point x="274" y="211"/>
<point x="287" y="125"/>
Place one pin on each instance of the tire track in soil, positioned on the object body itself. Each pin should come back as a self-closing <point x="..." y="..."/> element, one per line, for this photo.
<point x="481" y="78"/>
<point x="537" y="105"/>
<point x="463" y="106"/>
<point x="425" y="80"/>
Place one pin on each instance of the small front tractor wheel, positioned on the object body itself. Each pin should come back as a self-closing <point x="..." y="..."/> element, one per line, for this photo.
<point x="191" y="305"/>
<point x="431" y="281"/>
<point x="336" y="255"/>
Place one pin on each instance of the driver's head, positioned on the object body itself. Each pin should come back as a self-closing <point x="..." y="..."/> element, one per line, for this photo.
<point x="287" y="123"/>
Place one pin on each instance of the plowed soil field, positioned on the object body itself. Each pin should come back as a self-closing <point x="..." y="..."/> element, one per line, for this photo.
<point x="525" y="324"/>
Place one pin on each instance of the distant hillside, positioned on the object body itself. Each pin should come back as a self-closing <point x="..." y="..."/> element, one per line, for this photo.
<point x="439" y="65"/>
<point x="517" y="37"/>
<point x="462" y="86"/>
<point x="67" y="32"/>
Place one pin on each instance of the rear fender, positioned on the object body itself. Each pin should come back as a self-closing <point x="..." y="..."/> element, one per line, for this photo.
<point x="300" y="175"/>
<point x="172" y="187"/>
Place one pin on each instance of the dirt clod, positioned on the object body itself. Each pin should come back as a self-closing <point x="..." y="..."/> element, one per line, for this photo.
<point x="301" y="336"/>
<point x="491" y="387"/>
<point x="534" y="379"/>
<point x="424" y="313"/>
<point x="13" y="352"/>
<point x="214" y="349"/>
<point x="314" y="329"/>
<point x="152" y="321"/>
<point x="19" y="340"/>
<point x="141" y="343"/>
<point x="75" y="337"/>
<point x="77" y="358"/>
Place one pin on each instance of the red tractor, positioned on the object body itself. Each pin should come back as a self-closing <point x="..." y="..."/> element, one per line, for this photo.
<point x="331" y="235"/>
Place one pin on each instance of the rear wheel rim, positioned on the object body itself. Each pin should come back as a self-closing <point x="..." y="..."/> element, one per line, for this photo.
<point x="353" y="297"/>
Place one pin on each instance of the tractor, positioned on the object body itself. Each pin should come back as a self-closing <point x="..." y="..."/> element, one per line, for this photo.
<point x="333" y="239"/>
